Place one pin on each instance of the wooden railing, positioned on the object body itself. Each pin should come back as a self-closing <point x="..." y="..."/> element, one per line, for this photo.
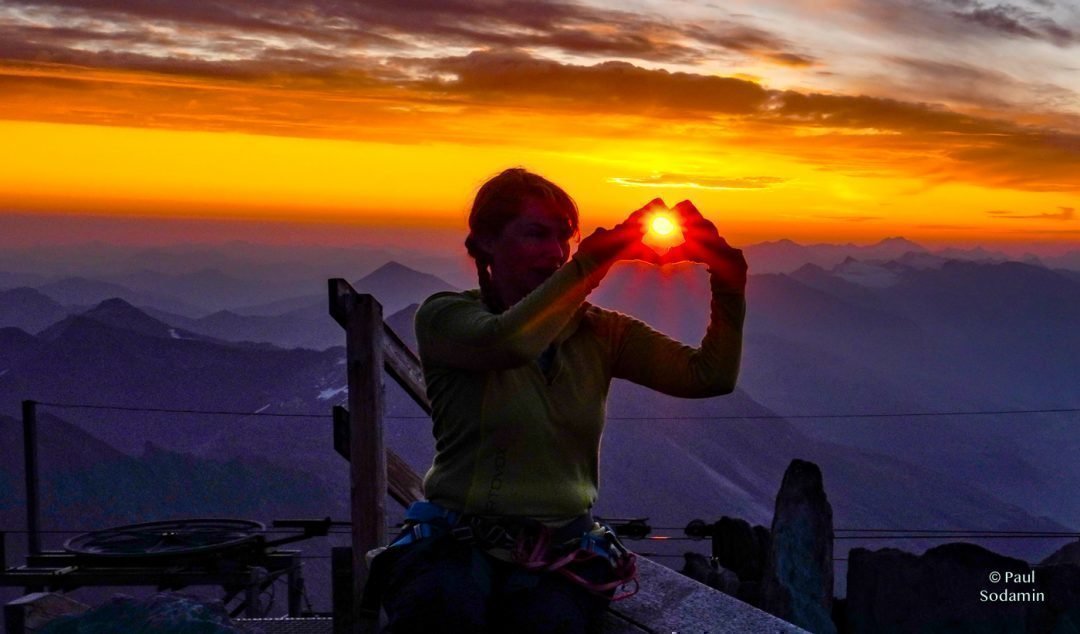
<point x="667" y="602"/>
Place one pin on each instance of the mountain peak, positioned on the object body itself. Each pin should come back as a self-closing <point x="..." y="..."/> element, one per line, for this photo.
<point x="392" y="269"/>
<point x="396" y="285"/>
<point x="900" y="242"/>
<point x="115" y="313"/>
<point x="395" y="275"/>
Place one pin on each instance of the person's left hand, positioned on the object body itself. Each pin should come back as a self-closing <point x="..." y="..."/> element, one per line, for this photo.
<point x="704" y="244"/>
<point x="623" y="241"/>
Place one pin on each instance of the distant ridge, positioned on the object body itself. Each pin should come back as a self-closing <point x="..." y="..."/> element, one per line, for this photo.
<point x="117" y="313"/>
<point x="393" y="284"/>
<point x="785" y="256"/>
<point x="28" y="309"/>
<point x="82" y="291"/>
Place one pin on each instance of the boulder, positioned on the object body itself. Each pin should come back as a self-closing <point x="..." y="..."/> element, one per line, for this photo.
<point x="1067" y="554"/>
<point x="162" y="613"/>
<point x="33" y="611"/>
<point x="891" y="591"/>
<point x="1059" y="612"/>
<point x="711" y="573"/>
<point x="797" y="584"/>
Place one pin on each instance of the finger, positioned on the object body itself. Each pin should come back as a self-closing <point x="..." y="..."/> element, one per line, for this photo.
<point x="687" y="213"/>
<point x="680" y="253"/>
<point x="656" y="204"/>
<point x="686" y="207"/>
<point x="643" y="253"/>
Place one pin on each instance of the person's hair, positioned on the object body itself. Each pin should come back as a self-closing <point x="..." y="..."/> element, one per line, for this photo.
<point x="501" y="199"/>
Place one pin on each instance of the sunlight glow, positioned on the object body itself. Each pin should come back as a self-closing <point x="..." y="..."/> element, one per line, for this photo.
<point x="663" y="232"/>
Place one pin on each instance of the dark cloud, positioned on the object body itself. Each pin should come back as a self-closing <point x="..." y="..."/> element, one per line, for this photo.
<point x="401" y="24"/>
<point x="793" y="60"/>
<point x="615" y="86"/>
<point x="1014" y="21"/>
<point x="966" y="85"/>
<point x="1063" y="214"/>
<point x="871" y="112"/>
<point x="953" y="21"/>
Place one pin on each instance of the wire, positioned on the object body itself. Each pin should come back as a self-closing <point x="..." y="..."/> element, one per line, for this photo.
<point x="726" y="417"/>
<point x="179" y="411"/>
<point x="956" y="530"/>
<point x="959" y="535"/>
<point x="802" y="416"/>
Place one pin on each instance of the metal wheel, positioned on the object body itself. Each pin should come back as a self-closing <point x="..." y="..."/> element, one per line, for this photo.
<point x="162" y="540"/>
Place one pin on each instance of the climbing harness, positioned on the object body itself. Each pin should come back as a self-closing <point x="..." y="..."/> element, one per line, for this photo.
<point x="531" y="544"/>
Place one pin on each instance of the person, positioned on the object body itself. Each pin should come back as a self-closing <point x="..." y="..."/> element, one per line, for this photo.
<point x="517" y="372"/>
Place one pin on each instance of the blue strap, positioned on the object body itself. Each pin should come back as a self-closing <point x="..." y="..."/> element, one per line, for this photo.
<point x="425" y="512"/>
<point x="428" y="520"/>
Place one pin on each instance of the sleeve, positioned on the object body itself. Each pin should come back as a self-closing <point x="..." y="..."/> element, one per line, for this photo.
<point x="456" y="331"/>
<point x="650" y="358"/>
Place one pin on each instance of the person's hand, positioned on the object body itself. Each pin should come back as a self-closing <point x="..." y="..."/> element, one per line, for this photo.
<point x="623" y="241"/>
<point x="704" y="244"/>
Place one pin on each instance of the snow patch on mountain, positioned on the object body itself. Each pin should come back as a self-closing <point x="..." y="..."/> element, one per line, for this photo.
<point x="326" y="395"/>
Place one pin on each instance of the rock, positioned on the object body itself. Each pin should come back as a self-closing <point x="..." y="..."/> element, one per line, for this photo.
<point x="1060" y="611"/>
<point x="891" y="591"/>
<point x="797" y="585"/>
<point x="741" y="548"/>
<point x="711" y="573"/>
<point x="162" y="613"/>
<point x="39" y="608"/>
<point x="1067" y="554"/>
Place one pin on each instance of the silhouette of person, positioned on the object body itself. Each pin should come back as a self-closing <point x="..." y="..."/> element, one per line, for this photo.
<point x="518" y="372"/>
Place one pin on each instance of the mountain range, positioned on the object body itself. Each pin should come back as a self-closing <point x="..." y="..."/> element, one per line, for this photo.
<point x="917" y="334"/>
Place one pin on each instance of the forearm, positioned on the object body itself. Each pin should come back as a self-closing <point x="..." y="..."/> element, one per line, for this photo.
<point x="456" y="332"/>
<point x="654" y="360"/>
<point x="715" y="366"/>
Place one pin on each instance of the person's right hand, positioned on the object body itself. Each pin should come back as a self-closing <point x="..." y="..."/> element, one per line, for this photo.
<point x="623" y="241"/>
<point x="705" y="244"/>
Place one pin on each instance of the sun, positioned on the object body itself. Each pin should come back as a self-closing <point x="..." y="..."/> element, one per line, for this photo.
<point x="663" y="232"/>
<point x="661" y="225"/>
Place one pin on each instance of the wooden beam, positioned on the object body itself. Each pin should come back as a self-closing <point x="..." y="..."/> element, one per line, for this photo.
<point x="361" y="317"/>
<point x="340" y="294"/>
<point x="671" y="602"/>
<point x="403" y="484"/>
<point x="30" y="456"/>
<point x="400" y="362"/>
<point x="405" y="368"/>
<point x="341" y="589"/>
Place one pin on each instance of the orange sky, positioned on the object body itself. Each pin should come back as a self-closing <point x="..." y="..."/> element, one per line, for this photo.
<point x="767" y="140"/>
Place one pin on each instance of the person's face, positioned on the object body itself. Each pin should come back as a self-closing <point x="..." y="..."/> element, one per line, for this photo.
<point x="529" y="249"/>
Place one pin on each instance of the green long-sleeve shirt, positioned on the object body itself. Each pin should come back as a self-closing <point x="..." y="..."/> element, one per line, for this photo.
<point x="514" y="437"/>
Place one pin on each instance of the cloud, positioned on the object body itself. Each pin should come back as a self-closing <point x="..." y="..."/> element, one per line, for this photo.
<point x="947" y="227"/>
<point x="865" y="112"/>
<point x="948" y="21"/>
<point x="296" y="87"/>
<point x="793" y="60"/>
<point x="855" y="219"/>
<point x="1013" y="21"/>
<point x="614" y="86"/>
<point x="968" y="84"/>
<point x="699" y="182"/>
<point x="1063" y="214"/>
<point x="310" y="25"/>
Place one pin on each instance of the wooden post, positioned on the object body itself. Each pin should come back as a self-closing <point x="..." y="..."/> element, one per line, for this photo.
<point x="295" y="578"/>
<point x="361" y="316"/>
<point x="33" y="512"/>
<point x="341" y="579"/>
